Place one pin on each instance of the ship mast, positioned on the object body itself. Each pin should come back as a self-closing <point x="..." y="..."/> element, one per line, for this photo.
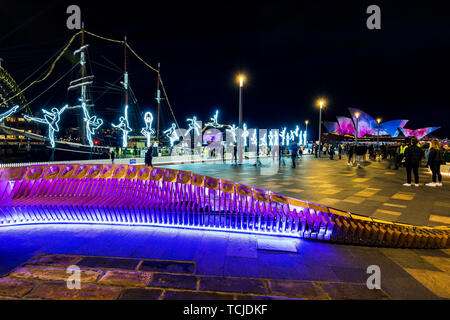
<point x="82" y="83"/>
<point x="125" y="75"/>
<point x="158" y="99"/>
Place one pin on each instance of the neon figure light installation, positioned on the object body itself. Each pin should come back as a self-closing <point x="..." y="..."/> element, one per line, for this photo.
<point x="51" y="119"/>
<point x="124" y="126"/>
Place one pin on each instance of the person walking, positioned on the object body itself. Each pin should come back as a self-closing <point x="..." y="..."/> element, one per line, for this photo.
<point x="331" y="152"/>
<point x="350" y="152"/>
<point x="340" y="151"/>
<point x="294" y="150"/>
<point x="149" y="157"/>
<point x="113" y="156"/>
<point x="235" y="153"/>
<point x="360" y="152"/>
<point x="413" y="155"/>
<point x="223" y="153"/>
<point x="402" y="150"/>
<point x="434" y="161"/>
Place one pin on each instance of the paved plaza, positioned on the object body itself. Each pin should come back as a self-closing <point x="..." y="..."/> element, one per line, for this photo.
<point x="371" y="190"/>
<point x="160" y="263"/>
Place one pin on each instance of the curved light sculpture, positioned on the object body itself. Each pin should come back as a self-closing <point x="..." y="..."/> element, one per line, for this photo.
<point x="132" y="195"/>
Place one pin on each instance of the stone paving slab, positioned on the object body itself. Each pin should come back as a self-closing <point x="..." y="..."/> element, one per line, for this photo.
<point x="141" y="294"/>
<point x="168" y="266"/>
<point x="162" y="280"/>
<point x="60" y="291"/>
<point x="126" y="278"/>
<point x="100" y="262"/>
<point x="345" y="291"/>
<point x="48" y="282"/>
<point x="233" y="285"/>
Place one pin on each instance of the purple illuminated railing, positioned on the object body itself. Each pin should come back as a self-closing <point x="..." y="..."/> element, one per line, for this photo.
<point x="144" y="196"/>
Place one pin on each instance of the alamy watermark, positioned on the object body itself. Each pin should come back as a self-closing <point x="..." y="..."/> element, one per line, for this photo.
<point x="374" y="280"/>
<point x="74" y="280"/>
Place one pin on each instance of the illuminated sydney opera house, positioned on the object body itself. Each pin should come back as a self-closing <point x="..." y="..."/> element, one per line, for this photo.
<point x="362" y="123"/>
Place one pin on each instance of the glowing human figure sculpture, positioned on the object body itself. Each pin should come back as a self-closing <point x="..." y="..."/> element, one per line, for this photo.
<point x="52" y="120"/>
<point x="124" y="126"/>
<point x="254" y="139"/>
<point x="263" y="140"/>
<point x="92" y="124"/>
<point x="233" y="130"/>
<point x="8" y="113"/>
<point x="148" y="131"/>
<point x="245" y="134"/>
<point x="273" y="138"/>
<point x="193" y="125"/>
<point x="215" y="120"/>
<point x="283" y="136"/>
<point x="171" y="133"/>
<point x="300" y="138"/>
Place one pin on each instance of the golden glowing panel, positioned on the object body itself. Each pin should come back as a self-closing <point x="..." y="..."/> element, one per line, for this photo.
<point x="95" y="171"/>
<point x="212" y="183"/>
<point x="198" y="180"/>
<point x="68" y="171"/>
<point x="157" y="174"/>
<point x="34" y="172"/>
<point x="132" y="172"/>
<point x="82" y="171"/>
<point x="52" y="171"/>
<point x="170" y="175"/>
<point x="298" y="203"/>
<point x="13" y="174"/>
<point x="144" y="172"/>
<point x="107" y="172"/>
<point x="243" y="190"/>
<point x="339" y="213"/>
<point x="227" y="186"/>
<point x="120" y="172"/>
<point x="318" y="207"/>
<point x="279" y="198"/>
<point x="261" y="195"/>
<point x="184" y="177"/>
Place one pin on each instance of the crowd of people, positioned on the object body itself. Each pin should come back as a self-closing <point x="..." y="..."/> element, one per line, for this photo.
<point x="409" y="154"/>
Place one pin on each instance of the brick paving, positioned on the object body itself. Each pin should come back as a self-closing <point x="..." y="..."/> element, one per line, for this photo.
<point x="103" y="283"/>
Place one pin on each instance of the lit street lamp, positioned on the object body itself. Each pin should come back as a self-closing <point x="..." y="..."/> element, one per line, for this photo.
<point x="321" y="103"/>
<point x="241" y="79"/>
<point x="306" y="130"/>
<point x="356" y="129"/>
<point x="378" y="135"/>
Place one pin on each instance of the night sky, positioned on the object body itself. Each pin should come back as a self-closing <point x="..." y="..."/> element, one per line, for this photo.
<point x="292" y="52"/>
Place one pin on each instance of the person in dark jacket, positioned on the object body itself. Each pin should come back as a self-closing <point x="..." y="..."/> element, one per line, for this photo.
<point x="149" y="157"/>
<point x="413" y="155"/>
<point x="360" y="151"/>
<point x="294" y="150"/>
<point x="113" y="156"/>
<point x="350" y="152"/>
<point x="435" y="158"/>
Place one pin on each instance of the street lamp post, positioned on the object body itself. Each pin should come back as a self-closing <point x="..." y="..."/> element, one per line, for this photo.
<point x="241" y="79"/>
<point x="378" y="135"/>
<point x="321" y="105"/>
<point x="356" y="129"/>
<point x="306" y="130"/>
